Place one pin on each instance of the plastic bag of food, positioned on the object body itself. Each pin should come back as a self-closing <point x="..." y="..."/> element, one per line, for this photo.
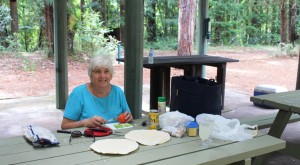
<point x="39" y="136"/>
<point x="174" y="122"/>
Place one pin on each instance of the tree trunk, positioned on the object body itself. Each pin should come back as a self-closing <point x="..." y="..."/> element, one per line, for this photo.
<point x="122" y="27"/>
<point x="41" y="34"/>
<point x="283" y="22"/>
<point x="82" y="9"/>
<point x="298" y="73"/>
<point x="293" y="36"/>
<point x="151" y="21"/>
<point x="266" y="41"/>
<point x="103" y="11"/>
<point x="99" y="6"/>
<point x="166" y="31"/>
<point x="14" y="15"/>
<point x="49" y="27"/>
<point x="186" y="27"/>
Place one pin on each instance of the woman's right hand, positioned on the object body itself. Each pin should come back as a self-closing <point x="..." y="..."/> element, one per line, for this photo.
<point x="95" y="121"/>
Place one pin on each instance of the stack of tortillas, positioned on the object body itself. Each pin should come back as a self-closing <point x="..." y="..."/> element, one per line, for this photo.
<point x="114" y="146"/>
<point x="148" y="137"/>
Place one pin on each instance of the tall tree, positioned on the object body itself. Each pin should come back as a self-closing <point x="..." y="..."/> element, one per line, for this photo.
<point x="99" y="6"/>
<point x="48" y="11"/>
<point x="186" y="28"/>
<point x="293" y="36"/>
<point x="122" y="27"/>
<point x="72" y="25"/>
<point x="103" y="11"/>
<point x="151" y="20"/>
<point x="82" y="8"/>
<point x="14" y="15"/>
<point x="283" y="19"/>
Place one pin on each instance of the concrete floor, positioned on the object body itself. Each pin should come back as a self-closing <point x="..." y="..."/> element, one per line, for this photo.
<point x="41" y="111"/>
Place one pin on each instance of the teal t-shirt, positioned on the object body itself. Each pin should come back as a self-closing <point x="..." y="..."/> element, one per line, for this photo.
<point x="82" y="104"/>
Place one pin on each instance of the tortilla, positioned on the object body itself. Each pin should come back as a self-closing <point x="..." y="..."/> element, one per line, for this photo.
<point x="148" y="137"/>
<point x="114" y="146"/>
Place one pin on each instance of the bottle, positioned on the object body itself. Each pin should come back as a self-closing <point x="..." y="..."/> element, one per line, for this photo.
<point x="161" y="105"/>
<point x="150" y="59"/>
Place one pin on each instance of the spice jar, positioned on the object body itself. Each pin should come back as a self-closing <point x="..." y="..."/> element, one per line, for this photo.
<point x="192" y="128"/>
<point x="161" y="105"/>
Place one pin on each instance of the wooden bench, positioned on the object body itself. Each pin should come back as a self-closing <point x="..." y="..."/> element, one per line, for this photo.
<point x="265" y="121"/>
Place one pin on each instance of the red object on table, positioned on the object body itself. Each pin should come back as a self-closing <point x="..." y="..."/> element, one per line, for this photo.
<point x="98" y="131"/>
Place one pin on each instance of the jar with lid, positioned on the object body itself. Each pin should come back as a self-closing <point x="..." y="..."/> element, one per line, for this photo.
<point x="161" y="105"/>
<point x="192" y="128"/>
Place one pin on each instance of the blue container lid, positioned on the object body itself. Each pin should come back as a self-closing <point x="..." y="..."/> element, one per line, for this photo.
<point x="192" y="124"/>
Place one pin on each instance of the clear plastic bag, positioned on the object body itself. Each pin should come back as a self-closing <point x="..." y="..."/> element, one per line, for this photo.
<point x="229" y="129"/>
<point x="174" y="123"/>
<point x="39" y="136"/>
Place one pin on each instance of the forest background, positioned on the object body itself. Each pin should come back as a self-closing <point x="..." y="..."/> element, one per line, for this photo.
<point x="26" y="27"/>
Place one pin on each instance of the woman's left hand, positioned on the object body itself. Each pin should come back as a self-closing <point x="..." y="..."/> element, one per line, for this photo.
<point x="128" y="116"/>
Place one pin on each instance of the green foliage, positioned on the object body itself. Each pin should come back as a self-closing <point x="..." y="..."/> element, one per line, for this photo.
<point x="233" y="23"/>
<point x="27" y="64"/>
<point x="13" y="43"/>
<point x="162" y="43"/>
<point x="90" y="36"/>
<point x="286" y="50"/>
<point x="4" y="17"/>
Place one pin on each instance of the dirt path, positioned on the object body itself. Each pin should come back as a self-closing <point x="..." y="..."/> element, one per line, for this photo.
<point x="254" y="67"/>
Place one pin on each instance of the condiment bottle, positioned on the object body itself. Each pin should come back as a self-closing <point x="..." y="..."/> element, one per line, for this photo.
<point x="192" y="128"/>
<point x="161" y="105"/>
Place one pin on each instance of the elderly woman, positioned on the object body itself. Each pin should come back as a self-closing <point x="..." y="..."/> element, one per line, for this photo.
<point x="94" y="103"/>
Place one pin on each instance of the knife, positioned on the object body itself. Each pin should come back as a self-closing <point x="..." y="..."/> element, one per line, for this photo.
<point x="112" y="120"/>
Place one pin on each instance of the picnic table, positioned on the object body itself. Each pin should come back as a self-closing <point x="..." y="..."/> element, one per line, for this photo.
<point x="191" y="65"/>
<point x="185" y="150"/>
<point x="288" y="103"/>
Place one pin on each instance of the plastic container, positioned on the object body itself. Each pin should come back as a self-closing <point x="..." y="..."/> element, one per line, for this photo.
<point x="151" y="55"/>
<point x="161" y="104"/>
<point x="267" y="89"/>
<point x="192" y="129"/>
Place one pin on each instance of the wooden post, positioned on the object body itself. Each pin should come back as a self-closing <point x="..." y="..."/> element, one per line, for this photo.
<point x="60" y="52"/>
<point x="134" y="45"/>
<point x="298" y="73"/>
<point x="202" y="42"/>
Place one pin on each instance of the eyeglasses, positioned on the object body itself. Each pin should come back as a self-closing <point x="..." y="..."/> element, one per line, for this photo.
<point x="76" y="134"/>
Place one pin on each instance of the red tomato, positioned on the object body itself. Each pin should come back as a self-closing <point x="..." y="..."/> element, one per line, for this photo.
<point x="121" y="118"/>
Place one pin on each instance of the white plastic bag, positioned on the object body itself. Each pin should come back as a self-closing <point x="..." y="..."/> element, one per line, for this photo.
<point x="228" y="129"/>
<point x="174" y="122"/>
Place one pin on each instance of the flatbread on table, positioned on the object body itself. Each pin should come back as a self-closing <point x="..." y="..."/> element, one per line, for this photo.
<point x="148" y="137"/>
<point x="114" y="146"/>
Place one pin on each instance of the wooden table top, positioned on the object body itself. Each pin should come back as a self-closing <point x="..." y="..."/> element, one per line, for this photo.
<point x="183" y="60"/>
<point x="176" y="151"/>
<point x="285" y="100"/>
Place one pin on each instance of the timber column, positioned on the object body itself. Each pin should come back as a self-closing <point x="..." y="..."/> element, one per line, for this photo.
<point x="60" y="52"/>
<point x="134" y="46"/>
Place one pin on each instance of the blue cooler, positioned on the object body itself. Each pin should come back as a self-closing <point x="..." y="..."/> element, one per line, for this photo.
<point x="267" y="89"/>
